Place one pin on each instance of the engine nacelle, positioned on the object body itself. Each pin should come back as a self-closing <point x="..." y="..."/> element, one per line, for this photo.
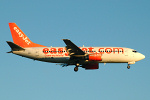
<point x="94" y="57"/>
<point x="90" y="66"/>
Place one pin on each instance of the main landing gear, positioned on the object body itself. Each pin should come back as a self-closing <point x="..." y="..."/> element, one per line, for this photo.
<point x="76" y="68"/>
<point x="128" y="66"/>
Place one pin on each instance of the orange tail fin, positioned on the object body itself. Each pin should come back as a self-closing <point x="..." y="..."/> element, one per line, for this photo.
<point x="20" y="38"/>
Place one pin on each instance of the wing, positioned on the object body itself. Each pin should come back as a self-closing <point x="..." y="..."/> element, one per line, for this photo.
<point x="72" y="48"/>
<point x="80" y="58"/>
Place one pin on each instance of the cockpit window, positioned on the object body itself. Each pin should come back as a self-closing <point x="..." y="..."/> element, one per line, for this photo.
<point x="134" y="51"/>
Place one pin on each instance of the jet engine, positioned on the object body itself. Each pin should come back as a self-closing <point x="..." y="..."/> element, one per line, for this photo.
<point x="94" y="57"/>
<point x="90" y="66"/>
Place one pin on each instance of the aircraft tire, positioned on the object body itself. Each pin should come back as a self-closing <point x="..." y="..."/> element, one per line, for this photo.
<point x="128" y="67"/>
<point x="76" y="69"/>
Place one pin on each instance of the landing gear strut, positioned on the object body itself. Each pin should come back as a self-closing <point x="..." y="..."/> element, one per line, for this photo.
<point x="128" y="66"/>
<point x="77" y="64"/>
<point x="76" y="68"/>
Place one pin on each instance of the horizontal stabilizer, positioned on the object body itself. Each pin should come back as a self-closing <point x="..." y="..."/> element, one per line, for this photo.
<point x="14" y="46"/>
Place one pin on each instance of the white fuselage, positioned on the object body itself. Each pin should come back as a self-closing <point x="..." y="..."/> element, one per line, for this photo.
<point x="60" y="55"/>
<point x="71" y="54"/>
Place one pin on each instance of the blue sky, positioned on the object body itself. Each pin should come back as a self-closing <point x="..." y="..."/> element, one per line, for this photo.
<point x="123" y="23"/>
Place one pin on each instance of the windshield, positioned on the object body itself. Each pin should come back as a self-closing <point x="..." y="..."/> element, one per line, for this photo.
<point x="134" y="51"/>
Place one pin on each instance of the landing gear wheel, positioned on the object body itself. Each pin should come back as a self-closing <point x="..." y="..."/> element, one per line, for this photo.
<point x="128" y="67"/>
<point x="76" y="69"/>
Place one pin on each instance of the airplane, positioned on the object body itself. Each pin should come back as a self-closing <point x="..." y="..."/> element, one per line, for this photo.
<point x="85" y="57"/>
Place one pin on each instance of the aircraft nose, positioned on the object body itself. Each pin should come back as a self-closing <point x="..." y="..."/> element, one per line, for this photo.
<point x="142" y="56"/>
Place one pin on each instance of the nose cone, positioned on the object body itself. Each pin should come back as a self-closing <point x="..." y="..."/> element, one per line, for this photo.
<point x="141" y="56"/>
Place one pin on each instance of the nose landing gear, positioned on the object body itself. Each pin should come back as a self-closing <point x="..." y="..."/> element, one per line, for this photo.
<point x="128" y="67"/>
<point x="76" y="68"/>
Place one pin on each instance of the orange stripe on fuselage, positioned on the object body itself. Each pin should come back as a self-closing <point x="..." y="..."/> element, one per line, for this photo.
<point x="97" y="50"/>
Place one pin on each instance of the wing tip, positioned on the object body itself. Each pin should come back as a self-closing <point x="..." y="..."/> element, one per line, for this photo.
<point x="65" y="39"/>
